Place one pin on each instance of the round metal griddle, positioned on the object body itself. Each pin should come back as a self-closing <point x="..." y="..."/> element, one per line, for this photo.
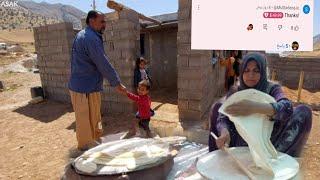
<point x="219" y="165"/>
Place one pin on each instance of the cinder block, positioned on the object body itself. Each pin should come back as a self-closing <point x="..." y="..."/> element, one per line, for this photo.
<point x="112" y="16"/>
<point x="59" y="85"/>
<point x="184" y="13"/>
<point x="50" y="64"/>
<point x="66" y="49"/>
<point x="65" y="56"/>
<point x="194" y="105"/>
<point x="129" y="34"/>
<point x="53" y="35"/>
<point x="182" y="104"/>
<point x="123" y="24"/>
<point x="112" y="36"/>
<point x="198" y="84"/>
<point x="184" y="49"/>
<point x="43" y="36"/>
<point x="183" y="83"/>
<point x="182" y="61"/>
<point x="106" y="89"/>
<point x="53" y="42"/>
<point x="117" y="108"/>
<point x="105" y="107"/>
<point x="184" y="37"/>
<point x="130" y="108"/>
<point x="63" y="26"/>
<point x="127" y="14"/>
<point x="52" y="27"/>
<point x="113" y="55"/>
<point x="186" y="115"/>
<point x="44" y="43"/>
<point x="189" y="94"/>
<point x="43" y="29"/>
<point x="56" y="49"/>
<point x="184" y="25"/>
<point x="190" y="73"/>
<point x="112" y="98"/>
<point x="199" y="60"/>
<point x="109" y="26"/>
<point x="125" y="45"/>
<point x="128" y="54"/>
<point x="184" y="3"/>
<point x="35" y="30"/>
<point x="123" y="99"/>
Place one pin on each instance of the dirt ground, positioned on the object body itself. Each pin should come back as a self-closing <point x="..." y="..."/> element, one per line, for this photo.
<point x="36" y="140"/>
<point x="18" y="35"/>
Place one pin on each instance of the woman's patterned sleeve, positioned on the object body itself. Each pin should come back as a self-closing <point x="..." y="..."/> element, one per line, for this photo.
<point x="283" y="107"/>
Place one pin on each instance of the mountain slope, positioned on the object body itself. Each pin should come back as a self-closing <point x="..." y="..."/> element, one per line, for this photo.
<point x="21" y="18"/>
<point x="57" y="11"/>
<point x="30" y="14"/>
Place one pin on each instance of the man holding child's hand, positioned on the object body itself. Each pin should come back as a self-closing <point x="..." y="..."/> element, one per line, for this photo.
<point x="89" y="65"/>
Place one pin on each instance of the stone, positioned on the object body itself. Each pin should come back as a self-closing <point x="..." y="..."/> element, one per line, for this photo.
<point x="1" y="85"/>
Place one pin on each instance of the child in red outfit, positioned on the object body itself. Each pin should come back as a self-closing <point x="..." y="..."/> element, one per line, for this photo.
<point x="144" y="109"/>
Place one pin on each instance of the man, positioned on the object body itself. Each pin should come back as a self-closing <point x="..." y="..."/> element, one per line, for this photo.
<point x="89" y="65"/>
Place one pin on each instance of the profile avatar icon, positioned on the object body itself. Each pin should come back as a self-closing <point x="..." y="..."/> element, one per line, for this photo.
<point x="295" y="45"/>
<point x="250" y="27"/>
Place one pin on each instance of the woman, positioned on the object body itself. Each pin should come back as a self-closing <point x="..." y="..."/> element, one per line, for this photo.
<point x="291" y="125"/>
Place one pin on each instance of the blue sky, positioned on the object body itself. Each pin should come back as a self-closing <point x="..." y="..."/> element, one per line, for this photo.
<point x="154" y="7"/>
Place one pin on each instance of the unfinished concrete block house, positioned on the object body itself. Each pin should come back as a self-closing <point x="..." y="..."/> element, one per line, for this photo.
<point x="185" y="82"/>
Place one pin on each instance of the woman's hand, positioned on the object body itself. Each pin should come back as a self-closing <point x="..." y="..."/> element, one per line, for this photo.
<point x="247" y="107"/>
<point x="224" y="139"/>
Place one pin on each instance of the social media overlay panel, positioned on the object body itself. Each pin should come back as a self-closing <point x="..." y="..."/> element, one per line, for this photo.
<point x="270" y="25"/>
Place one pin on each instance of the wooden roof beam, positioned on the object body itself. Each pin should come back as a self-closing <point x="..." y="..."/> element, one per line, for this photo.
<point x="119" y="7"/>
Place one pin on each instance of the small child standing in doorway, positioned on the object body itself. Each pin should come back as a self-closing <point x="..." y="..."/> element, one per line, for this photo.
<point x="140" y="72"/>
<point x="144" y="113"/>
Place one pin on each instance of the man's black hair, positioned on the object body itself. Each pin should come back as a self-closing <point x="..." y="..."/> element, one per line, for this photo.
<point x="92" y="15"/>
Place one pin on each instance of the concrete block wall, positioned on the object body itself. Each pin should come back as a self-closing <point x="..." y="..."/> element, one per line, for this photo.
<point x="288" y="71"/>
<point x="197" y="80"/>
<point x="53" y="45"/>
<point x="122" y="45"/>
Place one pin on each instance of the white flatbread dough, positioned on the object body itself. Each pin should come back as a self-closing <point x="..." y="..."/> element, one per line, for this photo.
<point x="124" y="154"/>
<point x="86" y="166"/>
<point x="133" y="158"/>
<point x="219" y="165"/>
<point x="255" y="129"/>
<point x="172" y="140"/>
